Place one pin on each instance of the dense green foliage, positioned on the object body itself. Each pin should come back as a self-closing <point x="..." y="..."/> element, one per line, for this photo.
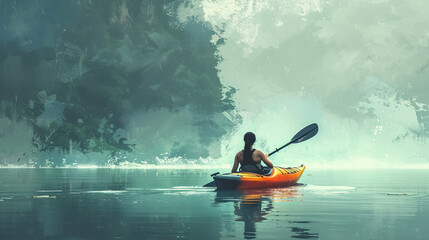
<point x="92" y="64"/>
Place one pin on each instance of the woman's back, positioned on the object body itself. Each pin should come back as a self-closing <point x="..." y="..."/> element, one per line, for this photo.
<point x="250" y="161"/>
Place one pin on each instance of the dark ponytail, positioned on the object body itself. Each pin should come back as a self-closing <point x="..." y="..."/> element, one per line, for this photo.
<point x="249" y="140"/>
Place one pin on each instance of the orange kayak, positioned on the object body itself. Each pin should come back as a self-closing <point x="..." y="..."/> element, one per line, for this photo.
<point x="276" y="178"/>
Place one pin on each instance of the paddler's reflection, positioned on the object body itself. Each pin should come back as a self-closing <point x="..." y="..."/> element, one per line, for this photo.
<point x="250" y="211"/>
<point x="252" y="206"/>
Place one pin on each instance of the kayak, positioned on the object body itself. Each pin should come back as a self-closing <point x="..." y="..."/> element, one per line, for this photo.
<point x="275" y="178"/>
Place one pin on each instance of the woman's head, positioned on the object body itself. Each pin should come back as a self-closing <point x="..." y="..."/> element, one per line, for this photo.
<point x="249" y="138"/>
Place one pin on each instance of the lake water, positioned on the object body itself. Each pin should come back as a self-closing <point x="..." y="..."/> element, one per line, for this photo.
<point x="170" y="204"/>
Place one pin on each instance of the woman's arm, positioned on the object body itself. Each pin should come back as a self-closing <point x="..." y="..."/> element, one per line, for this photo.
<point x="235" y="166"/>
<point x="266" y="160"/>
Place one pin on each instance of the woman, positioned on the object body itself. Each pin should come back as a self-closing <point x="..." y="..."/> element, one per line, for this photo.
<point x="250" y="159"/>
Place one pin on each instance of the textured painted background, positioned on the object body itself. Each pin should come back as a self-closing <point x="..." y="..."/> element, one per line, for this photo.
<point x="171" y="82"/>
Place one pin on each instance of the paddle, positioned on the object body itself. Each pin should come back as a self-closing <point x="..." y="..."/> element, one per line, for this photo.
<point x="303" y="135"/>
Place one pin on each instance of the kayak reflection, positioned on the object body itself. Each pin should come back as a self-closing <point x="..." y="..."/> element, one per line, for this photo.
<point x="254" y="205"/>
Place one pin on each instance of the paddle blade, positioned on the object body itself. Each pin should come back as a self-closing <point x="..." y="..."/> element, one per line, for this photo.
<point x="306" y="133"/>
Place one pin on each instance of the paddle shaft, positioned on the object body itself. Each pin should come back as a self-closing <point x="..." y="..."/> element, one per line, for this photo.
<point x="278" y="149"/>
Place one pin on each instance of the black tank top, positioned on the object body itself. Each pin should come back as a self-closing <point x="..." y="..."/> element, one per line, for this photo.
<point x="248" y="165"/>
